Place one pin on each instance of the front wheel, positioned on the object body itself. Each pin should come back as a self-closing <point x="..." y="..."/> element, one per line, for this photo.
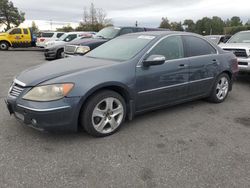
<point x="220" y="89"/>
<point x="103" y="114"/>
<point x="60" y="54"/>
<point x="4" y="45"/>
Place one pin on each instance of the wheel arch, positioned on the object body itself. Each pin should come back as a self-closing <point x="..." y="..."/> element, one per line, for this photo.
<point x="9" y="43"/>
<point x="230" y="74"/>
<point x="120" y="88"/>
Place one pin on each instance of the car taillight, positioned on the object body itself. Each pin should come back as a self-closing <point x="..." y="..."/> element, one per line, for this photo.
<point x="42" y="40"/>
<point x="235" y="65"/>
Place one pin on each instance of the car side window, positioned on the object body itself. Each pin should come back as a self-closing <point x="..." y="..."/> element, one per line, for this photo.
<point x="70" y="37"/>
<point x="170" y="47"/>
<point x="16" y="31"/>
<point x="126" y="31"/>
<point x="59" y="35"/>
<point x="196" y="46"/>
<point x="25" y="31"/>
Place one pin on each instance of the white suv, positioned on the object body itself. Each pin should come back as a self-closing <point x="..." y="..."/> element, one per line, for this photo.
<point x="46" y="37"/>
<point x="239" y="44"/>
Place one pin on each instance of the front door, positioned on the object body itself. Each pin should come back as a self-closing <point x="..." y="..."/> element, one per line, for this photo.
<point x="163" y="84"/>
<point x="15" y="37"/>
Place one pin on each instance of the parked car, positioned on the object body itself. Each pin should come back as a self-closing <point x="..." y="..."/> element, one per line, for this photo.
<point x="239" y="44"/>
<point x="46" y="37"/>
<point x="106" y="34"/>
<point x="115" y="81"/>
<point x="217" y="39"/>
<point x="55" y="49"/>
<point x="16" y="38"/>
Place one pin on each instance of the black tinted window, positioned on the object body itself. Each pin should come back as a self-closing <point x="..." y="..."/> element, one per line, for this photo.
<point x="138" y="29"/>
<point x="170" y="47"/>
<point x="196" y="46"/>
<point x="16" y="31"/>
<point x="70" y="37"/>
<point x="126" y="31"/>
<point x="47" y="35"/>
<point x="25" y="31"/>
<point x="59" y="35"/>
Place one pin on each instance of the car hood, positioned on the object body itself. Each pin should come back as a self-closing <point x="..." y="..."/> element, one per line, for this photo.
<point x="52" y="44"/>
<point x="89" y="41"/>
<point x="3" y="34"/>
<point x="39" y="74"/>
<point x="235" y="45"/>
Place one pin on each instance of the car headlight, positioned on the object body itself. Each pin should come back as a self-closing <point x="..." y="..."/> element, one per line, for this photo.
<point x="49" y="92"/>
<point x="82" y="49"/>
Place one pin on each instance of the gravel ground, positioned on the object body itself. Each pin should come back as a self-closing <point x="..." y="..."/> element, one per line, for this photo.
<point x="197" y="144"/>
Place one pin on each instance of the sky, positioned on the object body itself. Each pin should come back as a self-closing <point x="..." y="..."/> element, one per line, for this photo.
<point x="148" y="13"/>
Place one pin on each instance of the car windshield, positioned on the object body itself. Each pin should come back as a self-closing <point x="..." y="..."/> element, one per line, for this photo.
<point x="122" y="48"/>
<point x="108" y="33"/>
<point x="215" y="39"/>
<point x="240" y="38"/>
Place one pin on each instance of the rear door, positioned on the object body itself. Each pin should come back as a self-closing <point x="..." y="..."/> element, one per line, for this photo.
<point x="203" y="67"/>
<point x="26" y="37"/>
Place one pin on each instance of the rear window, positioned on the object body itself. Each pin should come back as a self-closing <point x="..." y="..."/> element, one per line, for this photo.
<point x="47" y="35"/>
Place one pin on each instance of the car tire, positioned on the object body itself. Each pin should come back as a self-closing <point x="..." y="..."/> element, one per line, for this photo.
<point x="59" y="54"/>
<point x="220" y="89"/>
<point x="4" y="46"/>
<point x="103" y="114"/>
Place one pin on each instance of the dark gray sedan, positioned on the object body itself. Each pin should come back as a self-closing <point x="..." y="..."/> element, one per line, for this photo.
<point x="126" y="76"/>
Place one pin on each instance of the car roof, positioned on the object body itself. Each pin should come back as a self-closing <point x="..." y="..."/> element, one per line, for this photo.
<point x="163" y="33"/>
<point x="248" y="31"/>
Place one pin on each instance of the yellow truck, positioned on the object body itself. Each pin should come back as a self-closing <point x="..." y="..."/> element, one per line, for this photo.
<point x="17" y="38"/>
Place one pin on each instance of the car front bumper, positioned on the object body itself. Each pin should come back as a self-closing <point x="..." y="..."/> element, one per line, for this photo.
<point x="57" y="115"/>
<point x="244" y="64"/>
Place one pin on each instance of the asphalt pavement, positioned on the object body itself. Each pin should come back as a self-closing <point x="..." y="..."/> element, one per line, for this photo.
<point x="197" y="144"/>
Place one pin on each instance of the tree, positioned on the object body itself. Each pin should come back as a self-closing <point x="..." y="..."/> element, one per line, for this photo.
<point x="94" y="19"/>
<point x="217" y="25"/>
<point x="165" y="23"/>
<point x="247" y="23"/>
<point x="235" y="21"/>
<point x="10" y="15"/>
<point x="176" y="26"/>
<point x="34" y="27"/>
<point x="190" y="25"/>
<point x="66" y="28"/>
<point x="204" y="26"/>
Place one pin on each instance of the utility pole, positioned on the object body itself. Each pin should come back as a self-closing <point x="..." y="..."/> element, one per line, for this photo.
<point x="136" y="24"/>
<point x="51" y="25"/>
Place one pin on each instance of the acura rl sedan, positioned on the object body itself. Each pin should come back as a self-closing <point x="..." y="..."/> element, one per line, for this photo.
<point x="126" y="76"/>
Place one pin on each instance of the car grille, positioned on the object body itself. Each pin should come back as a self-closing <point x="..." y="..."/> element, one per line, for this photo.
<point x="238" y="52"/>
<point x="70" y="49"/>
<point x="15" y="90"/>
<point x="243" y="63"/>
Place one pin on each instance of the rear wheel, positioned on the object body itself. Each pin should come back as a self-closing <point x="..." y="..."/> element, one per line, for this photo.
<point x="4" y="45"/>
<point x="220" y="89"/>
<point x="103" y="114"/>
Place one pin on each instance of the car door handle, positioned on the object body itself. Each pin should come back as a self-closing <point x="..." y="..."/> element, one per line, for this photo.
<point x="182" y="66"/>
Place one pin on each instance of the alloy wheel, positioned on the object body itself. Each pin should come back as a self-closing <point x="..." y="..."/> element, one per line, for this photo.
<point x="222" y="88"/>
<point x="107" y="115"/>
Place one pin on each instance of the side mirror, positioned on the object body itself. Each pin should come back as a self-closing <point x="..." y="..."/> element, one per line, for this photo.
<point x="154" y="60"/>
